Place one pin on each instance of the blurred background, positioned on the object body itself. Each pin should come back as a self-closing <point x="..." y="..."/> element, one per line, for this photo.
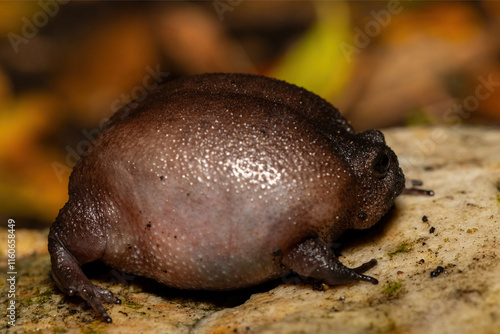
<point x="65" y="67"/>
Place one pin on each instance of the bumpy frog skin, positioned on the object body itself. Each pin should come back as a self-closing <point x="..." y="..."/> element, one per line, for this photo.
<point x="222" y="181"/>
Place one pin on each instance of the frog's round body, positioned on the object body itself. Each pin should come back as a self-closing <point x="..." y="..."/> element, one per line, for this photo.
<point x="214" y="180"/>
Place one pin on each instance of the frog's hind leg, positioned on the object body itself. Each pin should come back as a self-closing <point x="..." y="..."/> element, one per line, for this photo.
<point x="314" y="259"/>
<point x="71" y="280"/>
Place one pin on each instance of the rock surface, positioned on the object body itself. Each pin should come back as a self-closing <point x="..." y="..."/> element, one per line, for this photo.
<point x="457" y="242"/>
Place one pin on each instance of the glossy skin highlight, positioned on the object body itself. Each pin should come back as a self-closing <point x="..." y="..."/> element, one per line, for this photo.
<point x="222" y="181"/>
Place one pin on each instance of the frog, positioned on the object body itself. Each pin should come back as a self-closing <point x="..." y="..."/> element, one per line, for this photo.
<point x="222" y="181"/>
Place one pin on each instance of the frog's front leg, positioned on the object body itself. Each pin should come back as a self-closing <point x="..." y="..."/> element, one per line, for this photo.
<point x="70" y="279"/>
<point x="314" y="259"/>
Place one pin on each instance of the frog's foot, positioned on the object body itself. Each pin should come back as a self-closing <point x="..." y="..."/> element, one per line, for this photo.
<point x="94" y="295"/>
<point x="71" y="280"/>
<point x="314" y="259"/>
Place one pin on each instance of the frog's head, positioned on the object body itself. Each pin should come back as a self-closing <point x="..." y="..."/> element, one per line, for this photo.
<point x="379" y="178"/>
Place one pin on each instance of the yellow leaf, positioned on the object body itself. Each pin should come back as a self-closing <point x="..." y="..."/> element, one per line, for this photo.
<point x="317" y="62"/>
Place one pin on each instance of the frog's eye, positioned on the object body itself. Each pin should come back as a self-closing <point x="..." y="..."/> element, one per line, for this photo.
<point x="381" y="165"/>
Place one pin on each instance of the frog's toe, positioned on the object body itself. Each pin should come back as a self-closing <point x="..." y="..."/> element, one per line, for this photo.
<point x="106" y="296"/>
